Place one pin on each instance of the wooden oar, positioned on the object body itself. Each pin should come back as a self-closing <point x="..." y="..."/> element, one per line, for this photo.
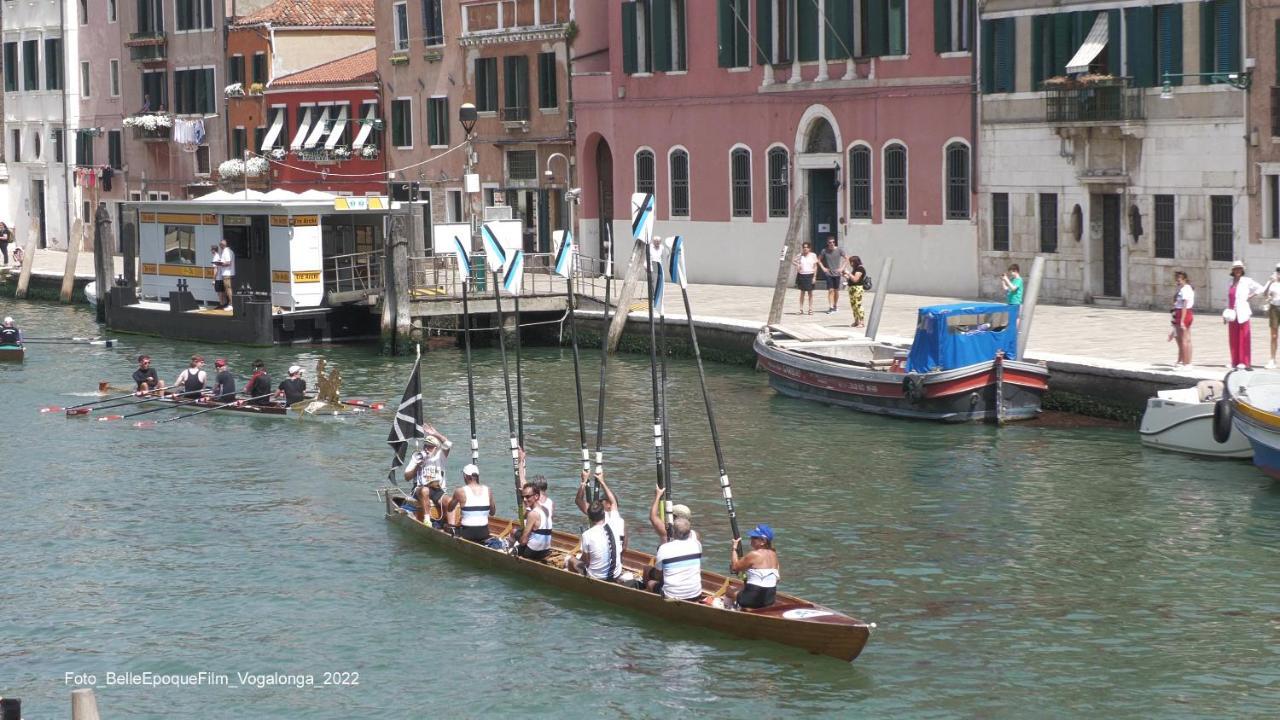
<point x="151" y="395"/>
<point x="594" y="488"/>
<point x="678" y="275"/>
<point x="653" y="379"/>
<point x="57" y="408"/>
<point x="506" y="382"/>
<point x="471" y="392"/>
<point x="57" y="341"/>
<point x="166" y="406"/>
<point x="147" y="423"/>
<point x="662" y="386"/>
<point x="577" y="373"/>
<point x="519" y="381"/>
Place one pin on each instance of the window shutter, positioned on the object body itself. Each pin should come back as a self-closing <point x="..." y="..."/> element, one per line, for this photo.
<point x="742" y="33"/>
<point x="1039" y="27"/>
<point x="941" y="26"/>
<point x="764" y="31"/>
<point x="1062" y="49"/>
<point x="1277" y="55"/>
<point x="724" y="50"/>
<point x="629" y="38"/>
<point x="1005" y="55"/>
<point x="1113" y="43"/>
<point x="1227" y="14"/>
<point x="877" y="27"/>
<point x="839" y="28"/>
<point x="807" y="25"/>
<point x="660" y="30"/>
<point x="1139" y="28"/>
<point x="1206" y="37"/>
<point x="1169" y="19"/>
<point x="988" y="56"/>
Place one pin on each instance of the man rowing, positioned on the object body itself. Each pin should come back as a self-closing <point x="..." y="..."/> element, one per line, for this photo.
<point x="191" y="381"/>
<point x="427" y="466"/>
<point x="10" y="335"/>
<point x="677" y="511"/>
<point x="601" y="556"/>
<point x="259" y="386"/>
<point x="610" y="505"/>
<point x="477" y="505"/>
<point x="535" y="540"/>
<point x="761" y="567"/>
<point x="293" y="388"/>
<point x="224" y="383"/>
<point x="145" y="379"/>
<point x="678" y="571"/>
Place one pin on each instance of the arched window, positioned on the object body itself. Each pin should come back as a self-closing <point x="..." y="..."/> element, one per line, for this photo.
<point x="644" y="171"/>
<point x="957" y="181"/>
<point x="779" y="182"/>
<point x="679" y="166"/>
<point x="860" y="182"/>
<point x="740" y="177"/>
<point x="821" y="137"/>
<point x="895" y="182"/>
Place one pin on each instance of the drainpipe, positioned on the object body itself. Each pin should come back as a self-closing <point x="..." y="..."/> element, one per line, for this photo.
<point x="976" y="93"/>
<point x="66" y="132"/>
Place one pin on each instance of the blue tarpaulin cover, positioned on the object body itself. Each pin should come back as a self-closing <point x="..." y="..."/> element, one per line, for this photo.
<point x="962" y="334"/>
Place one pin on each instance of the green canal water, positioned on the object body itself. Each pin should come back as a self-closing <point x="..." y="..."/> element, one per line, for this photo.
<point x="1025" y="572"/>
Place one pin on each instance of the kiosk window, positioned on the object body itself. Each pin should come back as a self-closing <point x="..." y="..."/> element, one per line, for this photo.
<point x="179" y="244"/>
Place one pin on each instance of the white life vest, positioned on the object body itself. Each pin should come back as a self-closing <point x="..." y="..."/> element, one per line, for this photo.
<point x="765" y="578"/>
<point x="475" y="513"/>
<point x="540" y="539"/>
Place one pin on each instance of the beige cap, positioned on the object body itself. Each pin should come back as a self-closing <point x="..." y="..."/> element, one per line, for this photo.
<point x="681" y="511"/>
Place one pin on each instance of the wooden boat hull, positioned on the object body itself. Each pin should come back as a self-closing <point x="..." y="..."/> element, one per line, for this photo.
<point x="12" y="353"/>
<point x="266" y="411"/>
<point x="790" y="621"/>
<point x="1182" y="421"/>
<point x="1249" y="393"/>
<point x="961" y="395"/>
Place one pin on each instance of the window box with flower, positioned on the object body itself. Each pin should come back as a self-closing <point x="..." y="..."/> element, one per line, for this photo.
<point x="369" y="152"/>
<point x="257" y="88"/>
<point x="150" y="126"/>
<point x="234" y="90"/>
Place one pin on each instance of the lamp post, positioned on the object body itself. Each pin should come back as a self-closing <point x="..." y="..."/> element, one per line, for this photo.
<point x="571" y="194"/>
<point x="467" y="117"/>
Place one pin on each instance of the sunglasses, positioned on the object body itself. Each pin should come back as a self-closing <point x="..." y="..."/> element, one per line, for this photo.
<point x="528" y="497"/>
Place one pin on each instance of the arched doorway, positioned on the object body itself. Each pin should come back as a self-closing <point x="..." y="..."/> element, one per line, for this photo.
<point x="604" y="192"/>
<point x="818" y="159"/>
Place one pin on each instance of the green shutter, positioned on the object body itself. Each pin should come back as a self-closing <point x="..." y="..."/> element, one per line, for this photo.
<point x="1169" y="39"/>
<point x="1039" y="25"/>
<point x="1062" y="48"/>
<point x="941" y="26"/>
<point x="629" y="61"/>
<point x="877" y="27"/>
<point x="724" y="36"/>
<point x="660" y="30"/>
<point x="764" y="31"/>
<point x="742" y="33"/>
<point x="807" y="24"/>
<point x="988" y="56"/>
<point x="1005" y="54"/>
<point x="1113" y="42"/>
<point x="1140" y="29"/>
<point x="839" y="28"/>
<point x="1227" y="13"/>
<point x="1206" y="37"/>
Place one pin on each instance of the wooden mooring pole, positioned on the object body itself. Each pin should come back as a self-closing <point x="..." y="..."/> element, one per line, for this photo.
<point x="790" y="248"/>
<point x="84" y="706"/>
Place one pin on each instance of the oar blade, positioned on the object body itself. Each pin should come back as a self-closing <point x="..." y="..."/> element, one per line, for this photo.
<point x="145" y="424"/>
<point x="76" y="412"/>
<point x="109" y="418"/>
<point x="51" y="409"/>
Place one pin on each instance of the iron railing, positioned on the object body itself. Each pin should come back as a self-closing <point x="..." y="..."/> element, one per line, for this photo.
<point x="436" y="277"/>
<point x="1101" y="101"/>
<point x="353" y="275"/>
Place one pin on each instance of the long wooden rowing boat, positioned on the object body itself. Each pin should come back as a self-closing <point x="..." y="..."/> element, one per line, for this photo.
<point x="789" y="621"/>
<point x="307" y="409"/>
<point x="12" y="353"/>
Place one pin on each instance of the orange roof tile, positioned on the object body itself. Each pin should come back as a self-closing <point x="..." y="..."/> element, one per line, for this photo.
<point x="360" y="67"/>
<point x="313" y="13"/>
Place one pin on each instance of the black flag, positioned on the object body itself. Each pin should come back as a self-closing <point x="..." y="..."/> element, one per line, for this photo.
<point x="408" y="422"/>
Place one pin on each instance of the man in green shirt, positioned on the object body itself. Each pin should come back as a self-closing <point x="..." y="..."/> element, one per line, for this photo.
<point x="1011" y="281"/>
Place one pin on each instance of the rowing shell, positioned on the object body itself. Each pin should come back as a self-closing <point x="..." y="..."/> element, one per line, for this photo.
<point x="306" y="409"/>
<point x="790" y="620"/>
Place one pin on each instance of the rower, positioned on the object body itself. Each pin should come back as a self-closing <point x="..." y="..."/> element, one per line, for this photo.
<point x="678" y="571"/>
<point x="477" y="505"/>
<point x="425" y="464"/>
<point x="192" y="380"/>
<point x="292" y="387"/>
<point x="259" y="386"/>
<point x="677" y="511"/>
<point x="535" y="541"/>
<point x="145" y="379"/>
<point x="601" y="556"/>
<point x="10" y="334"/>
<point x="609" y="503"/>
<point x="761" y="566"/>
<point x="224" y="383"/>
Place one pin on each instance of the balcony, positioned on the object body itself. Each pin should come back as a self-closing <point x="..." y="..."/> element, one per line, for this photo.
<point x="150" y="127"/>
<point x="515" y="118"/>
<point x="147" y="47"/>
<point x="497" y="21"/>
<point x="1106" y="100"/>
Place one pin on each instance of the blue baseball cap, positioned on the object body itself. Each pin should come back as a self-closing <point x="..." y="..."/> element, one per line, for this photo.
<point x="762" y="531"/>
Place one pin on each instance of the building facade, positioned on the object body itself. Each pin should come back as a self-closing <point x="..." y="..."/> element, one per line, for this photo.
<point x="1263" y="35"/>
<point x="732" y="111"/>
<point x="510" y="60"/>
<point x="1113" y="142"/>
<point x="42" y="121"/>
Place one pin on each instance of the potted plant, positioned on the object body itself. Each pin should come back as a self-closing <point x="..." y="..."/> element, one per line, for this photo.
<point x="279" y="154"/>
<point x="234" y="90"/>
<point x="369" y="152"/>
<point x="399" y="59"/>
<point x="257" y="88"/>
<point x="342" y="152"/>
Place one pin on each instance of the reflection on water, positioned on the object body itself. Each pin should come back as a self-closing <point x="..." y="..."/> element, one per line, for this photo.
<point x="1071" y="569"/>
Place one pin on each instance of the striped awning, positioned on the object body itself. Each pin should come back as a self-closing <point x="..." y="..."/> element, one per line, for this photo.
<point x="277" y="126"/>
<point x="1092" y="45"/>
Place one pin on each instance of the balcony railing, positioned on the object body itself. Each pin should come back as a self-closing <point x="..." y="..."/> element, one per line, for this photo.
<point x="147" y="46"/>
<point x="515" y="114"/>
<point x="348" y="278"/>
<point x="1100" y="101"/>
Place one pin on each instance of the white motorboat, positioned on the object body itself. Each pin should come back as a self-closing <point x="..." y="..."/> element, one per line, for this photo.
<point x="91" y="293"/>
<point x="1182" y="420"/>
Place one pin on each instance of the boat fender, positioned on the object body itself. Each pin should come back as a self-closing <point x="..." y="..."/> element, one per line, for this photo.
<point x="1221" y="420"/>
<point x="913" y="387"/>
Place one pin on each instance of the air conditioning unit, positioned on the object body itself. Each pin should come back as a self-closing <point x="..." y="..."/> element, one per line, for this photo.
<point x="497" y="212"/>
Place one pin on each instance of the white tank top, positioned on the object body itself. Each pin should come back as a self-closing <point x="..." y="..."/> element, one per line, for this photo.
<point x="614" y="520"/>
<point x="767" y="578"/>
<point x="540" y="539"/>
<point x="475" y="513"/>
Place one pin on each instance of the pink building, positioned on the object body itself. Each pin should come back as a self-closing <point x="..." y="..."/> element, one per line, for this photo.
<point x="733" y="111"/>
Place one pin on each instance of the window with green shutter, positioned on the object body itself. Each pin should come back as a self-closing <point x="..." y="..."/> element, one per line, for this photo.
<point x="999" y="60"/>
<point x="438" y="121"/>
<point x="897" y="27"/>
<point x="1168" y="43"/>
<point x="630" y="58"/>
<point x="1220" y="36"/>
<point x="808" y="24"/>
<point x="486" y="84"/>
<point x="951" y="23"/>
<point x="548" y="95"/>
<point x="839" y="29"/>
<point x="1140" y="36"/>
<point x="733" y="35"/>
<point x="516" y="87"/>
<point x="660" y="30"/>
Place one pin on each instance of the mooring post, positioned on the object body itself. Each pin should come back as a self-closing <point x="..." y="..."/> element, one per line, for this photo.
<point x="790" y="247"/>
<point x="635" y="271"/>
<point x="10" y="709"/>
<point x="84" y="706"/>
<point x="1028" y="309"/>
<point x="75" y="237"/>
<point x="28" y="262"/>
<point x="103" y="247"/>
<point x="880" y="286"/>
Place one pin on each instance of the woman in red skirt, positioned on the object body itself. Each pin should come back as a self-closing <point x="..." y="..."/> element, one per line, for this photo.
<point x="1183" y="301"/>
<point x="1237" y="315"/>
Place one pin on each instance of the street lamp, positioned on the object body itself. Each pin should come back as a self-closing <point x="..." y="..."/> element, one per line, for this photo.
<point x="572" y="195"/>
<point x="470" y="183"/>
<point x="467" y="117"/>
<point x="1237" y="80"/>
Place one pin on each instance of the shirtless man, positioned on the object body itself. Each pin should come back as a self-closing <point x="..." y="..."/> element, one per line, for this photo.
<point x="477" y="505"/>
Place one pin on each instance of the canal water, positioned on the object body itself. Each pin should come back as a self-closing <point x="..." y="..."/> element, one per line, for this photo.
<point x="1022" y="572"/>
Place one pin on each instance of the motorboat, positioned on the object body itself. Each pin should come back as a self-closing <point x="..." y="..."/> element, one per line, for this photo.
<point x="1181" y="420"/>
<point x="1251" y="407"/>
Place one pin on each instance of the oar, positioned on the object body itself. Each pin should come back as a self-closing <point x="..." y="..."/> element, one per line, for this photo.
<point x="506" y="382"/>
<point x="662" y="387"/>
<point x="577" y="373"/>
<point x="76" y="339"/>
<point x="151" y="395"/>
<point x="678" y="275"/>
<point x="56" y="408"/>
<point x="166" y="406"/>
<point x="466" y="344"/>
<point x="56" y="341"/>
<point x="519" y="381"/>
<point x="147" y="423"/>
<point x="604" y="361"/>
<point x="653" y="379"/>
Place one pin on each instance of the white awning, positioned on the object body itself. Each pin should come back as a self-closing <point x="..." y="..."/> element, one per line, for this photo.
<point x="366" y="127"/>
<point x="1092" y="45"/>
<point x="273" y="132"/>
<point x="339" y="126"/>
<point x="303" y="126"/>
<point x="317" y="130"/>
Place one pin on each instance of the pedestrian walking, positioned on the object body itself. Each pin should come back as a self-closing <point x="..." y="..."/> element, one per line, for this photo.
<point x="6" y="236"/>
<point x="831" y="261"/>
<point x="1237" y="315"/>
<point x="806" y="266"/>
<point x="1184" y="298"/>
<point x="1272" y="291"/>
<point x="856" y="275"/>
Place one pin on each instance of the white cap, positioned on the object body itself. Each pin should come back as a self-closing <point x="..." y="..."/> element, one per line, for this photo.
<point x="470" y="469"/>
<point x="294" y="369"/>
<point x="8" y="321"/>
<point x="1237" y="264"/>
